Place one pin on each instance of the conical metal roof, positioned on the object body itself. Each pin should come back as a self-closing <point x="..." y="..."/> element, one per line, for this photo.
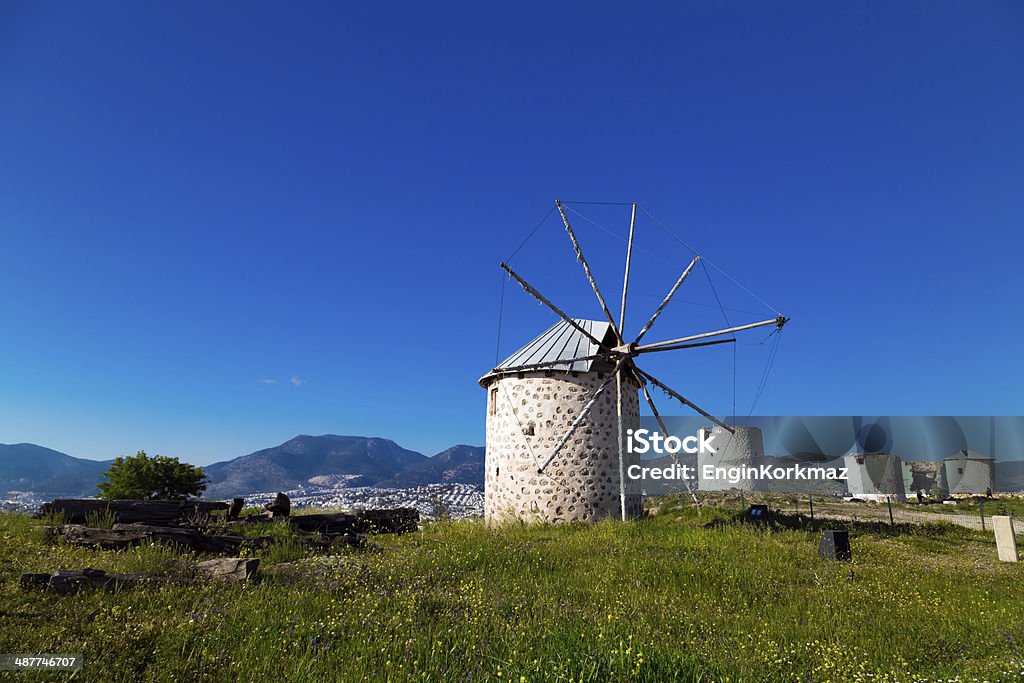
<point x="560" y="342"/>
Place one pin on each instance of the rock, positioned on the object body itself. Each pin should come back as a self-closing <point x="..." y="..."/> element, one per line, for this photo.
<point x="233" y="568"/>
<point x="281" y="507"/>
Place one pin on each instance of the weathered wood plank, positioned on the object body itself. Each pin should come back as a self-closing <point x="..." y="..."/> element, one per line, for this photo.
<point x="75" y="510"/>
<point x="127" y="535"/>
<point x="66" y="582"/>
<point x="393" y="521"/>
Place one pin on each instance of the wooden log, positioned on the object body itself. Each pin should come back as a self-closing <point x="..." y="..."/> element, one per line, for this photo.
<point x="68" y="582"/>
<point x="236" y="508"/>
<point x="391" y="521"/>
<point x="127" y="535"/>
<point x="328" y="523"/>
<point x="75" y="510"/>
<point x="394" y="521"/>
<point x="34" y="581"/>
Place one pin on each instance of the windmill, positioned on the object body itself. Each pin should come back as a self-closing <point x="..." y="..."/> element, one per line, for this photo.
<point x="555" y="434"/>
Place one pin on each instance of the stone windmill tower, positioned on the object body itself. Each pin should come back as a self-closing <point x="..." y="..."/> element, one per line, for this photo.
<point x="555" y="432"/>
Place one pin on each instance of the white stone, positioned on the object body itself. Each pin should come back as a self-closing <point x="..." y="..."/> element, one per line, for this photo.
<point x="1006" y="540"/>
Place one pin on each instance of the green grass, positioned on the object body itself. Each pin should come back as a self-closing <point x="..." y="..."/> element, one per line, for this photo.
<point x="667" y="598"/>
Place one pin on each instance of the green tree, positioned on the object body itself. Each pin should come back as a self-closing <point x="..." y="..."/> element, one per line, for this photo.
<point x="152" y="478"/>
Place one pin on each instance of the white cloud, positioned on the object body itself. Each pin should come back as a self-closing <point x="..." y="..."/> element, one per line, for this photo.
<point x="268" y="381"/>
<point x="297" y="381"/>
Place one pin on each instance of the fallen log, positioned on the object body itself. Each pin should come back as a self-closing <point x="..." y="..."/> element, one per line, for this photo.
<point x="236" y="508"/>
<point x="75" y="510"/>
<point x="393" y="521"/>
<point x="327" y="523"/>
<point x="127" y="535"/>
<point x="67" y="582"/>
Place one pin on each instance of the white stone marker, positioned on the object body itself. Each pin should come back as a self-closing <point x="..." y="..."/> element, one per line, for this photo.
<point x="1006" y="542"/>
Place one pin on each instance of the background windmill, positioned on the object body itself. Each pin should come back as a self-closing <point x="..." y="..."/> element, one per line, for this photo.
<point x="555" y="428"/>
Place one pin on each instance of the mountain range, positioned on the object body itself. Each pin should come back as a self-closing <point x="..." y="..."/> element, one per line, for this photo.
<point x="328" y="460"/>
<point x="28" y="467"/>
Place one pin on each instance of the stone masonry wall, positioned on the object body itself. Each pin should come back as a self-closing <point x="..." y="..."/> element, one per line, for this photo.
<point x="526" y="418"/>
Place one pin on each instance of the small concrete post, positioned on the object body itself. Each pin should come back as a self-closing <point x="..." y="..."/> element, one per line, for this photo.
<point x="1006" y="541"/>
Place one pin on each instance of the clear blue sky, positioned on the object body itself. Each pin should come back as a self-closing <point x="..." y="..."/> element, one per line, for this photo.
<point x="194" y="199"/>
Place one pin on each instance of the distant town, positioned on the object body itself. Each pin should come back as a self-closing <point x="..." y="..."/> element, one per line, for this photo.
<point x="431" y="501"/>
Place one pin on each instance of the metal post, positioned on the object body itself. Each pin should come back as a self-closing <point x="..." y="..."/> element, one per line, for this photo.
<point x="892" y="522"/>
<point x="811" y="500"/>
<point x="981" y="513"/>
<point x="622" y="444"/>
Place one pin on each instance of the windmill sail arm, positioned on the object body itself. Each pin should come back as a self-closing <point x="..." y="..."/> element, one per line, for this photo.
<point x="540" y="297"/>
<point x="658" y="346"/>
<point x="625" y="278"/>
<point x="686" y="402"/>
<point x="692" y="345"/>
<point x="668" y="297"/>
<point x="586" y="269"/>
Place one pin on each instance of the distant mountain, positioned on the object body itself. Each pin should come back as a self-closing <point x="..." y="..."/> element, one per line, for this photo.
<point x="457" y="465"/>
<point x="27" y="467"/>
<point x="363" y="461"/>
<point x="327" y="460"/>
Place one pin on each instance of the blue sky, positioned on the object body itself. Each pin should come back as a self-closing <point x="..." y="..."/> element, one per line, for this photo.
<point x="196" y="198"/>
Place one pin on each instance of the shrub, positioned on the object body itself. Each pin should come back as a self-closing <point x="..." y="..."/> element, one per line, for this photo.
<point x="152" y="478"/>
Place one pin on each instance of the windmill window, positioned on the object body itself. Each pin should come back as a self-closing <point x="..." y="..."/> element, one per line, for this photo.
<point x="529" y="429"/>
<point x="494" y="400"/>
<point x="960" y="470"/>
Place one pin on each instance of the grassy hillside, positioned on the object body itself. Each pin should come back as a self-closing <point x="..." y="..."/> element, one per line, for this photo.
<point x="659" y="600"/>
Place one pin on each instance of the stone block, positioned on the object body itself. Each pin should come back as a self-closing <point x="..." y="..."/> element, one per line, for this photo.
<point x="1006" y="540"/>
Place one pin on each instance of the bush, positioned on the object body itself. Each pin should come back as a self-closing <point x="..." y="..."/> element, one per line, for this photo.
<point x="152" y="478"/>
